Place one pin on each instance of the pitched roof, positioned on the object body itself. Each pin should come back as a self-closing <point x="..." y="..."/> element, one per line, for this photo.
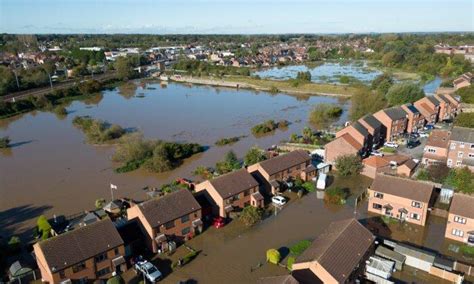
<point x="286" y="161"/>
<point x="340" y="248"/>
<point x="375" y="161"/>
<point x="409" y="164"/>
<point x="351" y="141"/>
<point x="397" y="158"/>
<point x="462" y="205"/>
<point x="438" y="138"/>
<point x="360" y="128"/>
<point x="411" y="108"/>
<point x="395" y="113"/>
<point x="233" y="183"/>
<point x="433" y="100"/>
<point x="402" y="187"/>
<point x="372" y="121"/>
<point x="80" y="244"/>
<point x="174" y="205"/>
<point x="462" y="134"/>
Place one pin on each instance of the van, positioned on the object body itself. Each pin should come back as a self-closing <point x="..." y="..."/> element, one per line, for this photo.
<point x="321" y="183"/>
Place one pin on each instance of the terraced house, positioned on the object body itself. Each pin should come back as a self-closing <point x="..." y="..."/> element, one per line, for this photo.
<point x="175" y="216"/>
<point x="460" y="226"/>
<point x="272" y="172"/>
<point x="448" y="108"/>
<point x="394" y="122"/>
<point x="358" y="132"/>
<point x="429" y="107"/>
<point x="374" y="127"/>
<point x="231" y="192"/>
<point x="461" y="148"/>
<point x="343" y="145"/>
<point x="416" y="121"/>
<point x="85" y="254"/>
<point x="436" y="148"/>
<point x="400" y="198"/>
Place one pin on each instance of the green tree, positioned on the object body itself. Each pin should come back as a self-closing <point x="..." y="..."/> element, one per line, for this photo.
<point x="229" y="164"/>
<point x="465" y="119"/>
<point x="273" y="256"/>
<point x="382" y="83"/>
<point x="99" y="203"/>
<point x="365" y="101"/>
<point x="7" y="81"/>
<point x="348" y="165"/>
<point x="124" y="68"/>
<point x="250" y="215"/>
<point x="462" y="179"/>
<point x="254" y="155"/>
<point x="404" y="93"/>
<point x="322" y="115"/>
<point x="303" y="76"/>
<point x="44" y="228"/>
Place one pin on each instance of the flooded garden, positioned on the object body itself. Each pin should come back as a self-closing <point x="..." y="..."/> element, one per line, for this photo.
<point x="51" y="169"/>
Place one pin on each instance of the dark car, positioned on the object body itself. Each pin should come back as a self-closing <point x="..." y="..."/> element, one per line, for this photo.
<point x="412" y="144"/>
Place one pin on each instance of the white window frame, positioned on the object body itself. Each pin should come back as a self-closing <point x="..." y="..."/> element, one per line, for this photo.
<point x="416" y="204"/>
<point x="415" y="216"/>
<point x="460" y="220"/>
<point x="452" y="146"/>
<point x="457" y="232"/>
<point x="460" y="154"/>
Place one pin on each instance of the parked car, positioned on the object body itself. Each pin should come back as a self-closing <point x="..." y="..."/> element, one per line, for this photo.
<point x="322" y="181"/>
<point x="390" y="144"/>
<point x="218" y="222"/>
<point x="278" y="200"/>
<point x="423" y="134"/>
<point x="429" y="127"/>
<point x="414" y="135"/>
<point x="376" y="153"/>
<point x="412" y="144"/>
<point x="148" y="270"/>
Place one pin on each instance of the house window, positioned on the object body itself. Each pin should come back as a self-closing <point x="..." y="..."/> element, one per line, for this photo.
<point x="460" y="154"/>
<point x="101" y="257"/>
<point x="460" y="220"/>
<point x="378" y="195"/>
<point x="169" y="225"/>
<point x="431" y="150"/>
<point x="450" y="162"/>
<point x="461" y="145"/>
<point x="471" y="155"/>
<point x="62" y="275"/>
<point x="298" y="167"/>
<point x="472" y="146"/>
<point x="116" y="251"/>
<point x="453" y="146"/>
<point x="457" y="232"/>
<point x="246" y="193"/>
<point x="458" y="163"/>
<point x="416" y="204"/>
<point x="185" y="231"/>
<point x="103" y="272"/>
<point x="235" y="197"/>
<point x="415" y="216"/>
<point x="78" y="267"/>
<point x="377" y="206"/>
<point x="185" y="219"/>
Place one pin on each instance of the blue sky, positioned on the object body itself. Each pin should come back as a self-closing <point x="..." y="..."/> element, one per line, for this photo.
<point x="234" y="16"/>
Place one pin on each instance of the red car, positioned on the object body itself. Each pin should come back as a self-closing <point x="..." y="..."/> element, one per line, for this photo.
<point x="218" y="222"/>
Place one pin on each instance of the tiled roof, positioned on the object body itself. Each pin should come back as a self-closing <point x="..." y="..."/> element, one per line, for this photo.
<point x="372" y="121"/>
<point x="462" y="205"/>
<point x="403" y="187"/>
<point x="395" y="113"/>
<point x="174" y="205"/>
<point x="80" y="244"/>
<point x="233" y="183"/>
<point x="439" y="138"/>
<point x="286" y="161"/>
<point x="351" y="141"/>
<point x="433" y="100"/>
<point x="462" y="134"/>
<point x="340" y="249"/>
<point x="375" y="161"/>
<point x="360" y="128"/>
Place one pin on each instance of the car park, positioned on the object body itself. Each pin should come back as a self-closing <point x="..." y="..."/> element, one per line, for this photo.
<point x="391" y="144"/>
<point x="278" y="200"/>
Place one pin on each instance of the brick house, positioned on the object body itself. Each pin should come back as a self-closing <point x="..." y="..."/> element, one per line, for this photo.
<point x="337" y="255"/>
<point x="416" y="121"/>
<point x="374" y="165"/>
<point x="462" y="81"/>
<point x="460" y="226"/>
<point x="344" y="145"/>
<point x="88" y="253"/>
<point x="448" y="107"/>
<point x="461" y="148"/>
<point x="404" y="199"/>
<point x="400" y="165"/>
<point x="175" y="216"/>
<point x="358" y="132"/>
<point x="394" y="121"/>
<point x="429" y="108"/>
<point x="436" y="148"/>
<point x="270" y="173"/>
<point x="231" y="191"/>
<point x="374" y="127"/>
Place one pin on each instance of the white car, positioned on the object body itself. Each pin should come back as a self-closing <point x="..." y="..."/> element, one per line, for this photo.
<point x="376" y="153"/>
<point x="391" y="144"/>
<point x="423" y="134"/>
<point x="149" y="270"/>
<point x="279" y="200"/>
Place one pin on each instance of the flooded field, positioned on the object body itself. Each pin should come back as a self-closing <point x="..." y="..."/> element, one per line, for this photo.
<point x="328" y="72"/>
<point x="51" y="170"/>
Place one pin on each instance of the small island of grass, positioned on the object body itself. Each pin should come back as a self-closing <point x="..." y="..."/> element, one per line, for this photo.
<point x="269" y="126"/>
<point x="324" y="114"/>
<point x="228" y="141"/>
<point x="98" y="131"/>
<point x="4" y="142"/>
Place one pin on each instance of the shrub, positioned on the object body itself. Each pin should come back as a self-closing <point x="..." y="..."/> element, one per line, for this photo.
<point x="465" y="119"/>
<point x="466" y="94"/>
<point x="348" y="165"/>
<point x="268" y="126"/>
<point x="273" y="256"/>
<point x="298" y="248"/>
<point x="323" y="114"/>
<point x="60" y="110"/>
<point x="229" y="164"/>
<point x="4" y="142"/>
<point x="289" y="263"/>
<point x="227" y="141"/>
<point x="336" y="195"/>
<point x="44" y="228"/>
<point x="203" y="172"/>
<point x="309" y="186"/>
<point x="99" y="203"/>
<point x="462" y="179"/>
<point x="14" y="244"/>
<point x="404" y="93"/>
<point x="254" y="155"/>
<point x="251" y="215"/>
<point x="274" y="90"/>
<point x="303" y="76"/>
<point x="98" y="131"/>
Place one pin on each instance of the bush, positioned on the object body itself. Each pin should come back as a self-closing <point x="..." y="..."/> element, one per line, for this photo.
<point x="251" y="215"/>
<point x="203" y="172"/>
<point x="303" y="76"/>
<point x="298" y="248"/>
<point x="60" y="110"/>
<point x="14" y="244"/>
<point x="465" y="119"/>
<point x="99" y="203"/>
<point x="44" y="228"/>
<point x="227" y="141"/>
<point x="324" y="114"/>
<point x="466" y="94"/>
<point x="273" y="256"/>
<point x="254" y="155"/>
<point x="349" y="165"/>
<point x="404" y="93"/>
<point x="309" y="186"/>
<point x="336" y="195"/>
<point x="462" y="179"/>
<point x="117" y="279"/>
<point x="289" y="264"/>
<point x="4" y="142"/>
<point x="268" y="126"/>
<point x="229" y="164"/>
<point x="98" y="131"/>
<point x="274" y="90"/>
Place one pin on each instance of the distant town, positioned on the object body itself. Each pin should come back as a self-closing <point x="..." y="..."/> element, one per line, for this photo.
<point x="238" y="159"/>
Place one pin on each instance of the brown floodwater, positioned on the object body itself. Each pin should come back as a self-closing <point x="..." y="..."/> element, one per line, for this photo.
<point x="51" y="170"/>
